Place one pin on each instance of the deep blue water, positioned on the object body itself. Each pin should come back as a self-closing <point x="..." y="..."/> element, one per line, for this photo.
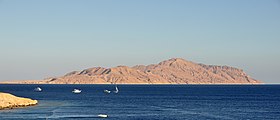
<point x="178" y="102"/>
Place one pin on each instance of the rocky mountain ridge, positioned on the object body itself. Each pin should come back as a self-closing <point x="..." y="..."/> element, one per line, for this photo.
<point x="172" y="71"/>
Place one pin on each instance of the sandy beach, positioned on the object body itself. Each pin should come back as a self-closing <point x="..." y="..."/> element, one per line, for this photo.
<point x="9" y="101"/>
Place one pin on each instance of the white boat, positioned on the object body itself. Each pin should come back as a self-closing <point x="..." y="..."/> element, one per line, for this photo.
<point x="77" y="91"/>
<point x="117" y="90"/>
<point x="107" y="91"/>
<point x="102" y="115"/>
<point x="38" y="89"/>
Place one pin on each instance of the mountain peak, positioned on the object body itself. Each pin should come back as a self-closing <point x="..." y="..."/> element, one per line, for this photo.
<point x="171" y="71"/>
<point x="177" y="59"/>
<point x="176" y="62"/>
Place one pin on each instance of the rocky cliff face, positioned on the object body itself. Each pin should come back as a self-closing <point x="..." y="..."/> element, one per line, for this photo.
<point x="172" y="71"/>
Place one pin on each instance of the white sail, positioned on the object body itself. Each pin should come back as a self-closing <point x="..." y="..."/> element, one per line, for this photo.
<point x="38" y="89"/>
<point x="117" y="90"/>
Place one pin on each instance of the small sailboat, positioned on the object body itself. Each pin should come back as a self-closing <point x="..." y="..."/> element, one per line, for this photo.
<point x="38" y="89"/>
<point x="77" y="91"/>
<point x="117" y="90"/>
<point x="107" y="91"/>
<point x="102" y="115"/>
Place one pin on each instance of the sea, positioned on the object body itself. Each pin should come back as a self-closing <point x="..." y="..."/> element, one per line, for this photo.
<point x="146" y="102"/>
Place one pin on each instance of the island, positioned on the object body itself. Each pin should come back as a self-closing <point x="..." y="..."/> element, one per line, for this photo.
<point x="9" y="101"/>
<point x="171" y="71"/>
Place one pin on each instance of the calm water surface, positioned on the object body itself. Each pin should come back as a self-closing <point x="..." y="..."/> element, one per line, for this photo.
<point x="178" y="102"/>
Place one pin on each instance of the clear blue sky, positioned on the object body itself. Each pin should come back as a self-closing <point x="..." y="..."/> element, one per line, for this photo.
<point x="40" y="39"/>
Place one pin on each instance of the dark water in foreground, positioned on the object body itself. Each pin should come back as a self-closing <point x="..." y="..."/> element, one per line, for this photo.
<point x="167" y="102"/>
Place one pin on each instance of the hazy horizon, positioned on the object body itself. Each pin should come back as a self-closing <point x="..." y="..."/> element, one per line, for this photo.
<point x="40" y="39"/>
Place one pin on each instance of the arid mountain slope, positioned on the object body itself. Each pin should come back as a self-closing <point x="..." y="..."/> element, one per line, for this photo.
<point x="172" y="71"/>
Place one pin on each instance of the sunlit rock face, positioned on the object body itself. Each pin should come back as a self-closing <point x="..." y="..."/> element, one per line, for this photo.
<point x="172" y="71"/>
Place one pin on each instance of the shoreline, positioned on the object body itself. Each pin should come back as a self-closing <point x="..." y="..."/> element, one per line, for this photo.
<point x="134" y="84"/>
<point x="9" y="101"/>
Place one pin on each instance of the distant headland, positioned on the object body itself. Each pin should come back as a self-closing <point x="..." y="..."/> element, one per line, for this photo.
<point x="172" y="71"/>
